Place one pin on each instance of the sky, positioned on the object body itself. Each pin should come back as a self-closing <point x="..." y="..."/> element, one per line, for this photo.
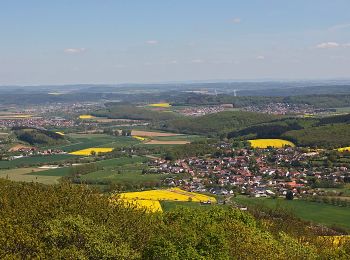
<point x="143" y="41"/>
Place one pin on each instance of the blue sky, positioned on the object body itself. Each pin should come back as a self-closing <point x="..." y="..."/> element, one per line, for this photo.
<point x="117" y="41"/>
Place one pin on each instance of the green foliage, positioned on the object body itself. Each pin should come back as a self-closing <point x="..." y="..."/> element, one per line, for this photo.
<point x="327" y="132"/>
<point x="36" y="160"/>
<point x="327" y="136"/>
<point x="76" y="222"/>
<point x="185" y="151"/>
<point x="310" y="211"/>
<point x="289" y="195"/>
<point x="38" y="136"/>
<point x="320" y="101"/>
<point x="218" y="123"/>
<point x="272" y="129"/>
<point x="126" y="111"/>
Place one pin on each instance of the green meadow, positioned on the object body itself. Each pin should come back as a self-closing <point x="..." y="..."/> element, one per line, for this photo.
<point x="312" y="211"/>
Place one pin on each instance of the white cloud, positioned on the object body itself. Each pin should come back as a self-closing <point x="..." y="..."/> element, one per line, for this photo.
<point x="152" y="42"/>
<point x="332" y="45"/>
<point x="74" y="50"/>
<point x="260" y="57"/>
<point x="327" y="45"/>
<point x="235" y="20"/>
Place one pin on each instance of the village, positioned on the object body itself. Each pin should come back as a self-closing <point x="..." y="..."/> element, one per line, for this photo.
<point x="258" y="173"/>
<point x="286" y="109"/>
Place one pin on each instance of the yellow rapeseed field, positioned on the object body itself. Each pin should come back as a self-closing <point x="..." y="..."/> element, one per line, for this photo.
<point x="149" y="200"/>
<point x="344" y="149"/>
<point x="139" y="138"/>
<point x="174" y="194"/>
<point x="264" y="143"/>
<point x="160" y="105"/>
<point x="148" y="205"/>
<point x="60" y="133"/>
<point x="88" y="151"/>
<point x="86" y="116"/>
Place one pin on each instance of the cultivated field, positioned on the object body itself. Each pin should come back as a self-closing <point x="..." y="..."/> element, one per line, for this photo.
<point x="151" y="134"/>
<point x="139" y="137"/>
<point x="160" y="105"/>
<point x="167" y="142"/>
<point x="265" y="143"/>
<point x="28" y="175"/>
<point x="17" y="147"/>
<point x="344" y="149"/>
<point x="174" y="194"/>
<point x="29" y="161"/>
<point x="84" y="141"/>
<point x="317" y="212"/>
<point x="92" y="150"/>
<point x="125" y="171"/>
<point x="86" y="117"/>
<point x="146" y="199"/>
<point x="14" y="116"/>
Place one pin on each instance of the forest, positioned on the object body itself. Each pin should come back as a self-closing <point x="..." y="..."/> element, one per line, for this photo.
<point x="38" y="136"/>
<point x="77" y="222"/>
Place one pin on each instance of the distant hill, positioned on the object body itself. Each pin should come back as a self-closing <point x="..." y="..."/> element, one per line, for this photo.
<point x="297" y="91"/>
<point x="272" y="129"/>
<point x="218" y="123"/>
<point x="125" y="111"/>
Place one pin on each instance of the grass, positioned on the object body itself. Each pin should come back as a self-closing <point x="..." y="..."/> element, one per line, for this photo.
<point x="345" y="190"/>
<point x="28" y="175"/>
<point x="129" y="174"/>
<point x="123" y="170"/>
<point x="84" y="141"/>
<point x="328" y="215"/>
<point x="65" y="171"/>
<point x="59" y="172"/>
<point x="28" y="161"/>
<point x="190" y="138"/>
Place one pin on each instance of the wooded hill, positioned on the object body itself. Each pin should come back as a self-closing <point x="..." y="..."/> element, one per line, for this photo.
<point x="127" y="111"/>
<point x="218" y="123"/>
<point x="327" y="132"/>
<point x="74" y="222"/>
<point x="35" y="136"/>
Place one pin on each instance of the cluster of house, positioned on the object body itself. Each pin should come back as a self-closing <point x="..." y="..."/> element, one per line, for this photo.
<point x="36" y="122"/>
<point x="32" y="151"/>
<point x="255" y="172"/>
<point x="281" y="109"/>
<point x="204" y="110"/>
